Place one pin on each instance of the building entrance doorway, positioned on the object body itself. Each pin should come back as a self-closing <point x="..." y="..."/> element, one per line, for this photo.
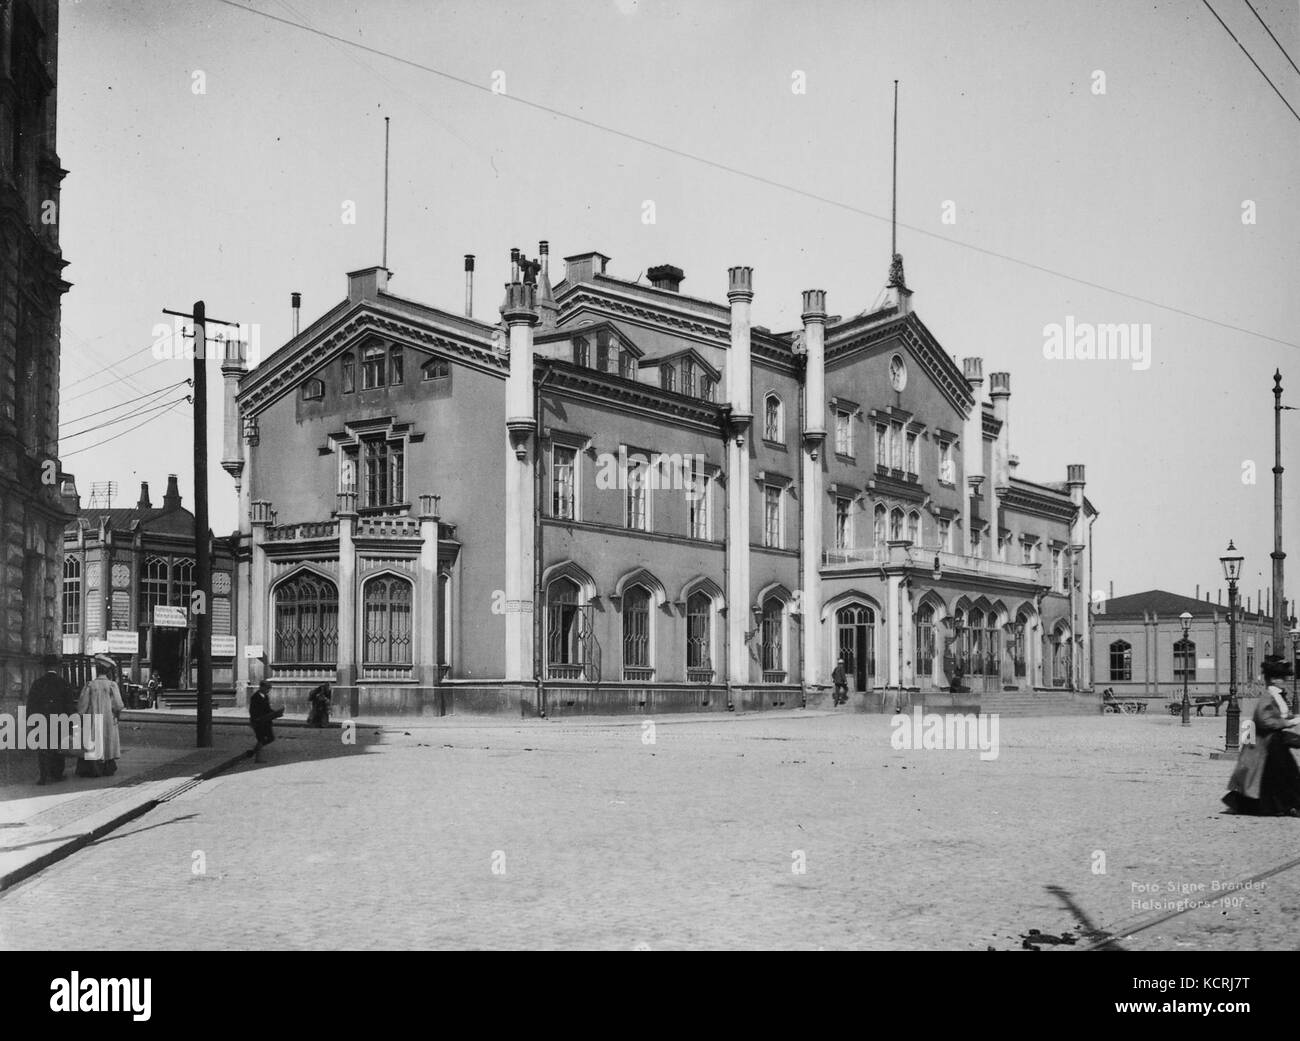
<point x="167" y="656"/>
<point x="856" y="626"/>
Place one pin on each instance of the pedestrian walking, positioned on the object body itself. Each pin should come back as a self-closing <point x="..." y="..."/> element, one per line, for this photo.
<point x="319" y="698"/>
<point x="841" y="680"/>
<point x="153" y="691"/>
<point x="50" y="696"/>
<point x="260" y="717"/>
<point x="101" y="704"/>
<point x="1266" y="781"/>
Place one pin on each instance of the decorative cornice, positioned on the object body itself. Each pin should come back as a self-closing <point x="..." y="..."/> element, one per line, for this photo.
<point x="991" y="426"/>
<point x="1023" y="500"/>
<point x="843" y="343"/>
<point x="646" y="399"/>
<point x="267" y="383"/>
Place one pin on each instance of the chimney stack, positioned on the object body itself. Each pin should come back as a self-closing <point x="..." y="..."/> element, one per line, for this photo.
<point x="295" y="301"/>
<point x="144" y="503"/>
<point x="666" y="277"/>
<point x="469" y="285"/>
<point x="1000" y="393"/>
<point x="972" y="447"/>
<point x="547" y="309"/>
<point x="172" y="500"/>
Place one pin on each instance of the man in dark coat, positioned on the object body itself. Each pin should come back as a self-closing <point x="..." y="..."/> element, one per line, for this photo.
<point x="841" y="680"/>
<point x="1266" y="781"/>
<point x="260" y="717"/>
<point x="50" y="696"/>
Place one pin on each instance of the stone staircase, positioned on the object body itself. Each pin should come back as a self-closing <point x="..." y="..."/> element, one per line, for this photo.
<point x="188" y="700"/>
<point x="1036" y="703"/>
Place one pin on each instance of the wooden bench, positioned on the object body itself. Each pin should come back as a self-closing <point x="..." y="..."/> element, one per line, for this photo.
<point x="1200" y="702"/>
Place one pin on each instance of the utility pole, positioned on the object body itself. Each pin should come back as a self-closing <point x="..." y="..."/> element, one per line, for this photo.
<point x="1279" y="602"/>
<point x="201" y="599"/>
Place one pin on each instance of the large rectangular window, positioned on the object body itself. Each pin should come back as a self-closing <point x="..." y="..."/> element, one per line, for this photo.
<point x="71" y="596"/>
<point x="384" y="479"/>
<point x="698" y="496"/>
<point x="772" y="516"/>
<point x="564" y="465"/>
<point x="913" y="455"/>
<point x="843" y="432"/>
<point x="843" y="523"/>
<point x="638" y="473"/>
<point x="1185" y="660"/>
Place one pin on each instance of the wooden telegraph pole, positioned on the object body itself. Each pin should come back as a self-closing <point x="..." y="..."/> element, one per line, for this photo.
<point x="201" y="599"/>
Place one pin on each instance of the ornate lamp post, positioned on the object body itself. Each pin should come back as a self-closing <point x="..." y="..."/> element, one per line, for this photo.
<point x="1295" y="680"/>
<point x="1231" y="561"/>
<point x="1186" y="619"/>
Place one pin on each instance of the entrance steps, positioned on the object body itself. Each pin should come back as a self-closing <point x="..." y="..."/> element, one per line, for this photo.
<point x="188" y="700"/>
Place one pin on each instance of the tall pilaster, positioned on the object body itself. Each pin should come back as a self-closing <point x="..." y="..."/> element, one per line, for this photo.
<point x="347" y="644"/>
<point x="1081" y="568"/>
<point x="258" y="630"/>
<point x="520" y="313"/>
<point x="814" y="437"/>
<point x="740" y="294"/>
<point x="233" y="458"/>
<point x="972" y="446"/>
<point x="427" y="659"/>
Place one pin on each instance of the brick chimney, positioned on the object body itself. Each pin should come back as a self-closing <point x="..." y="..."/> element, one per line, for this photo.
<point x="144" y="503"/>
<point x="666" y="276"/>
<point x="172" y="500"/>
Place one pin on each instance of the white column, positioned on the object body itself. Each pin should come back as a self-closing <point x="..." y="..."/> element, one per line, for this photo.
<point x="893" y="618"/>
<point x="814" y="501"/>
<point x="739" y="619"/>
<point x="429" y="618"/>
<point x="520" y="313"/>
<point x="347" y="653"/>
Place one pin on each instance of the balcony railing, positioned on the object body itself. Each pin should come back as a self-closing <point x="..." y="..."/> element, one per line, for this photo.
<point x="638" y="675"/>
<point x="388" y="527"/>
<point x="923" y="557"/>
<point x="299" y="532"/>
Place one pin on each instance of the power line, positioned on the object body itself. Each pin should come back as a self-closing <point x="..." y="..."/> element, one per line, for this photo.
<point x="106" y="440"/>
<point x="150" y="394"/>
<point x="1252" y="60"/>
<point x="120" y="419"/>
<point x="759" y="179"/>
<point x="1270" y="33"/>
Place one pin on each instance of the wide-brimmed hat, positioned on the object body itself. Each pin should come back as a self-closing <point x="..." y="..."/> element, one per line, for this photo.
<point x="105" y="662"/>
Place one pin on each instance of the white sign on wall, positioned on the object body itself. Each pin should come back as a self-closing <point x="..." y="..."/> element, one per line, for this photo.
<point x="1205" y="663"/>
<point x="253" y="650"/>
<point x="223" y="646"/>
<point x="123" y="641"/>
<point x="71" y="643"/>
<point x="98" y="647"/>
<point x="170" y="617"/>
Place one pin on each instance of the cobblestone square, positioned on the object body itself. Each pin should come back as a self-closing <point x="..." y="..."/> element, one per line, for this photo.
<point x="791" y="831"/>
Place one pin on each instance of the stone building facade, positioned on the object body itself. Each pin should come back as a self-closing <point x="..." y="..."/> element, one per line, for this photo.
<point x="32" y="510"/>
<point x="622" y="498"/>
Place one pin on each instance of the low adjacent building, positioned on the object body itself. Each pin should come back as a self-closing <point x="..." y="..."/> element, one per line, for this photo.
<point x="128" y="578"/>
<point x="1141" y="651"/>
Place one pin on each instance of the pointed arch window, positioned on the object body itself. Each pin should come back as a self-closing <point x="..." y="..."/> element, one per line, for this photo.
<point x="773" y="640"/>
<point x="1121" y="661"/>
<point x="925" y="642"/>
<point x="306" y="621"/>
<point x="914" y="528"/>
<point x="636" y="633"/>
<point x="895" y="523"/>
<point x="71" y="595"/>
<point x="571" y="648"/>
<point x="773" y="419"/>
<point x="881" y="525"/>
<point x="387" y="614"/>
<point x="154" y="577"/>
<point x="699" y="631"/>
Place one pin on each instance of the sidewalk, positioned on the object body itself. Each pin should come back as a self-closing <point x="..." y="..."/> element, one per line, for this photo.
<point x="41" y="825"/>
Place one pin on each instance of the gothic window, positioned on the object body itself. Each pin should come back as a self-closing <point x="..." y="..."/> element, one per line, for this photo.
<point x="1121" y="661"/>
<point x="636" y="628"/>
<point x="699" y="631"/>
<point x="153" y="587"/>
<point x="773" y="636"/>
<point x="387" y="613"/>
<point x="773" y="419"/>
<point x="71" y="595"/>
<point x="306" y="621"/>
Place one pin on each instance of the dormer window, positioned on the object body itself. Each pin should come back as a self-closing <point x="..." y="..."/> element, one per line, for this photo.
<point x="437" y="369"/>
<point x="688" y="377"/>
<point x="708" y="388"/>
<point x="626" y="365"/>
<point x="581" y="351"/>
<point x="373" y="367"/>
<point x="349" y="373"/>
<point x="667" y="377"/>
<point x="313" y="389"/>
<point x="602" y="352"/>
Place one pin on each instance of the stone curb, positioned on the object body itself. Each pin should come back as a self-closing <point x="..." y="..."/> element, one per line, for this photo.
<point x="73" y="843"/>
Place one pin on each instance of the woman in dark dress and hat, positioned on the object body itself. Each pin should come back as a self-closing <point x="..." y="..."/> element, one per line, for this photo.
<point x="260" y="717"/>
<point x="1266" y="781"/>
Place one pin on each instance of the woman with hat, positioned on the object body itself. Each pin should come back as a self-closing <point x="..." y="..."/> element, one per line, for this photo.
<point x="1266" y="781"/>
<point x="101" y="702"/>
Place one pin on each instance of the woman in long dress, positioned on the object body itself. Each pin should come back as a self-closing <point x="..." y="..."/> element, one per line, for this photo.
<point x="100" y="703"/>
<point x="1266" y="781"/>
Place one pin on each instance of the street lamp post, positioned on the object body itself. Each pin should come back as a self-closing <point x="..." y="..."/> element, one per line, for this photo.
<point x="1295" y="680"/>
<point x="1186" y="619"/>
<point x="1231" y="561"/>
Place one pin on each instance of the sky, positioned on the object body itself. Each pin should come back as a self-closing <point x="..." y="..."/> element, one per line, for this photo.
<point x="1097" y="162"/>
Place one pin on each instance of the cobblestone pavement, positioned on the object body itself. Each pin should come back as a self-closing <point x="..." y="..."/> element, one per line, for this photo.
<point x="590" y="834"/>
